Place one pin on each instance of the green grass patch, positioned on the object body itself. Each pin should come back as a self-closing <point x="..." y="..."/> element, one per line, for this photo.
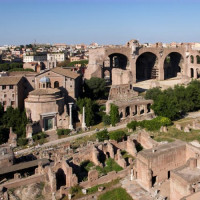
<point x="110" y="165"/>
<point x="115" y="194"/>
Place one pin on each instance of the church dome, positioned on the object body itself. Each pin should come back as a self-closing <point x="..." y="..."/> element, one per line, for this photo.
<point x="45" y="80"/>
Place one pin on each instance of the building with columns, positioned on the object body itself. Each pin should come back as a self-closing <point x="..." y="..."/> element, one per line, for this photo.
<point x="130" y="105"/>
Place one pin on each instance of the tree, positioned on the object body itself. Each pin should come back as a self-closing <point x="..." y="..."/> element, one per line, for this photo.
<point x="102" y="135"/>
<point x="153" y="93"/>
<point x="106" y="120"/>
<point x="89" y="110"/>
<point x="117" y="135"/>
<point x="114" y="114"/>
<point x="95" y="88"/>
<point x="132" y="125"/>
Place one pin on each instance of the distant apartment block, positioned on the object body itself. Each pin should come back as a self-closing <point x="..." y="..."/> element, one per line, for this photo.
<point x="34" y="58"/>
<point x="11" y="92"/>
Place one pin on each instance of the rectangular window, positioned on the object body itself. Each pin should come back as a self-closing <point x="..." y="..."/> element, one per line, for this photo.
<point x="11" y="87"/>
<point x="5" y="95"/>
<point x="12" y="103"/>
<point x="13" y="95"/>
<point x="4" y="103"/>
<point x="3" y="87"/>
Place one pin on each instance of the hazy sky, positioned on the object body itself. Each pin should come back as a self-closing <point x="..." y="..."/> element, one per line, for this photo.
<point x="101" y="21"/>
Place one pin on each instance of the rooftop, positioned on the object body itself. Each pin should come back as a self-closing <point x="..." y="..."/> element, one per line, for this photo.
<point x="8" y="80"/>
<point x="162" y="149"/>
<point x="65" y="72"/>
<point x="46" y="91"/>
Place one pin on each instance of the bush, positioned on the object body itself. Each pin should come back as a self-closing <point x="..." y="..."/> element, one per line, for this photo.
<point x="22" y="141"/>
<point x="106" y="120"/>
<point x="63" y="132"/>
<point x="75" y="189"/>
<point x="117" y="135"/>
<point x="132" y="125"/>
<point x="114" y="114"/>
<point x="102" y="135"/>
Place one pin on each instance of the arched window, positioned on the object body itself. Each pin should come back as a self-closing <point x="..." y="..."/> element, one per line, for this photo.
<point x="56" y="84"/>
<point x="198" y="59"/>
<point x="192" y="59"/>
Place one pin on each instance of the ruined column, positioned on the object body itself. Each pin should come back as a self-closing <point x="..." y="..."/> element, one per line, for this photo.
<point x="70" y="116"/>
<point x="83" y="119"/>
<point x="145" y="109"/>
<point x="138" y="110"/>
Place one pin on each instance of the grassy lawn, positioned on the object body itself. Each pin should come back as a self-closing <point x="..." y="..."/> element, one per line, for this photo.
<point x="115" y="194"/>
<point x="111" y="165"/>
<point x="77" y="193"/>
<point x="174" y="133"/>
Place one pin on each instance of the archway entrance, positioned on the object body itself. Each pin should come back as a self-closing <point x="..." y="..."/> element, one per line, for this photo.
<point x="191" y="72"/>
<point x="115" y="60"/>
<point x="172" y="65"/>
<point x="118" y="60"/>
<point x="146" y="67"/>
<point x="60" y="178"/>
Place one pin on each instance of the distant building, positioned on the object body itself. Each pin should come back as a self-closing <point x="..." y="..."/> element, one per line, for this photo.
<point x="34" y="58"/>
<point x="59" y="57"/>
<point x="12" y="92"/>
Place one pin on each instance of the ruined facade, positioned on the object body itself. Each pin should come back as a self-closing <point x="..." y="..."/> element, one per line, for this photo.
<point x="136" y="62"/>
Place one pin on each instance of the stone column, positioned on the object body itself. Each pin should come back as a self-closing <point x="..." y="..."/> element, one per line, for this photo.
<point x="83" y="119"/>
<point x="195" y="73"/>
<point x="138" y="110"/>
<point x="70" y="116"/>
<point x="145" y="109"/>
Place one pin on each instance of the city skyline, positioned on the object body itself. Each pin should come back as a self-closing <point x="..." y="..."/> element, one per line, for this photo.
<point x="104" y="22"/>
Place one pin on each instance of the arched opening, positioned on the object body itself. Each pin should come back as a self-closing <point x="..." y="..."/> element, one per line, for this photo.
<point x="146" y="67"/>
<point x="56" y="84"/>
<point x="118" y="60"/>
<point x="60" y="178"/>
<point x="172" y="65"/>
<point x="192" y="59"/>
<point x="107" y="76"/>
<point x="127" y="111"/>
<point x="191" y="72"/>
<point x="198" y="59"/>
<point x="198" y="73"/>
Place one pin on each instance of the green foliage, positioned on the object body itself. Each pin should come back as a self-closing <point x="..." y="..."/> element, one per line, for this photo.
<point x="39" y="137"/>
<point x="117" y="135"/>
<point x="75" y="189"/>
<point x="110" y="165"/>
<point x="63" y="132"/>
<point x="86" y="165"/>
<point x="22" y="141"/>
<point x="114" y="114"/>
<point x="115" y="194"/>
<point x="9" y="66"/>
<point x="95" y="88"/>
<point x="174" y="103"/>
<point x="89" y="110"/>
<point x="132" y="125"/>
<point x="102" y="135"/>
<point x="106" y="120"/>
<point x="16" y="119"/>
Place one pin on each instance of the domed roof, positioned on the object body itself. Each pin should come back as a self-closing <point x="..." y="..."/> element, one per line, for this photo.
<point x="45" y="80"/>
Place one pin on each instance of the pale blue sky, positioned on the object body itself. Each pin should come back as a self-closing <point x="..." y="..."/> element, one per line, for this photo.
<point x="101" y="21"/>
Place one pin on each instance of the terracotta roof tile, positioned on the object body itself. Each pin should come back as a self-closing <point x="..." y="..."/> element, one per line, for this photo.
<point x="65" y="72"/>
<point x="8" y="80"/>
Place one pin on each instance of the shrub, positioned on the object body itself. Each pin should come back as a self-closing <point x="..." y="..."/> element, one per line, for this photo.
<point x="117" y="135"/>
<point x="114" y="114"/>
<point x="75" y="189"/>
<point x="22" y="141"/>
<point x="132" y="125"/>
<point x="63" y="132"/>
<point x="102" y="135"/>
<point x="106" y="120"/>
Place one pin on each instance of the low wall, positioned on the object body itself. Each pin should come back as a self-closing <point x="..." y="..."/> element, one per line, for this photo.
<point x="107" y="178"/>
<point x="24" y="181"/>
